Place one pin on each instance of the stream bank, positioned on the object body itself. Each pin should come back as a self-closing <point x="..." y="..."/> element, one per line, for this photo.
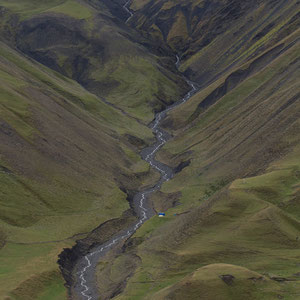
<point x="85" y="286"/>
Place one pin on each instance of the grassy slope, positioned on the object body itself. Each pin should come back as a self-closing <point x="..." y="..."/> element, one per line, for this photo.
<point x="65" y="154"/>
<point x="252" y="222"/>
<point x="261" y="28"/>
<point x="239" y="197"/>
<point x="206" y="282"/>
<point x="29" y="8"/>
<point x="212" y="36"/>
<point x="64" y="157"/>
<point x="87" y="44"/>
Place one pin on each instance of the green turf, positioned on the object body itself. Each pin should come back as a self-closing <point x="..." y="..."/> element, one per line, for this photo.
<point x="35" y="209"/>
<point x="248" y="221"/>
<point x="138" y="83"/>
<point x="69" y="158"/>
<point x="241" y="229"/>
<point x="72" y="8"/>
<point x="30" y="271"/>
<point x="29" y="8"/>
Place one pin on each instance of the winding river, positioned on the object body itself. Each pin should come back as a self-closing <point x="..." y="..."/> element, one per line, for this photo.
<point x="86" y="287"/>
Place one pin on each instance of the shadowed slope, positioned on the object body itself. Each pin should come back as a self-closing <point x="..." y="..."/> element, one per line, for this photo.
<point x="236" y="199"/>
<point x="221" y="281"/>
<point x="214" y="36"/>
<point x="66" y="160"/>
<point x="233" y="207"/>
<point x="84" y="41"/>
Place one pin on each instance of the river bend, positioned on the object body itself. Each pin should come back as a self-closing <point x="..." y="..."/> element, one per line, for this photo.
<point x="86" y="287"/>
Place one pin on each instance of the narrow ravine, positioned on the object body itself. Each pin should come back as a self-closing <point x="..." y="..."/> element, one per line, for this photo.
<point x="86" y="286"/>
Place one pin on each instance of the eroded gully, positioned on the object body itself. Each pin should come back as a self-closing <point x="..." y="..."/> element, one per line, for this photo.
<point x="85" y="287"/>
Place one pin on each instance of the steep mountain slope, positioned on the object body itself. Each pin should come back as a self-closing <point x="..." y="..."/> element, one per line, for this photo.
<point x="213" y="36"/>
<point x="69" y="158"/>
<point x="65" y="157"/>
<point x="84" y="41"/>
<point x="77" y="86"/>
<point x="235" y="200"/>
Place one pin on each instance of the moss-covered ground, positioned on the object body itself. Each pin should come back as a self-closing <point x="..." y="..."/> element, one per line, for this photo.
<point x="237" y="202"/>
<point x="64" y="160"/>
<point x="70" y="138"/>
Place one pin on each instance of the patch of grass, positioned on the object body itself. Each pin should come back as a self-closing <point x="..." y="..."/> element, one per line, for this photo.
<point x="28" y="8"/>
<point x="109" y="117"/>
<point x="179" y="28"/>
<point x="240" y="226"/>
<point x="139" y="83"/>
<point x="10" y="79"/>
<point x="206" y="282"/>
<point x="49" y="207"/>
<point x="225" y="47"/>
<point x="15" y="111"/>
<point x="54" y="291"/>
<point x="232" y="100"/>
<point x="53" y="127"/>
<point x="31" y="272"/>
<point x="266" y="38"/>
<point x="73" y="9"/>
<point x="225" y="215"/>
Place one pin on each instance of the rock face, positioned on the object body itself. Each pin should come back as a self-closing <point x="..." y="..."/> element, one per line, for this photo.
<point x="182" y="165"/>
<point x="70" y="256"/>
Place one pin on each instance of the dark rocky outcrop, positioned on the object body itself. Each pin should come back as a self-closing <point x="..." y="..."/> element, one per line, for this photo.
<point x="237" y="77"/>
<point x="228" y="279"/>
<point x="135" y="141"/>
<point x="5" y="170"/>
<point x="182" y="165"/>
<point x="70" y="256"/>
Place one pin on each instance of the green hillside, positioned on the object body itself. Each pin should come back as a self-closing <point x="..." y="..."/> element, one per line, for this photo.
<point x="77" y="89"/>
<point x="65" y="154"/>
<point x="67" y="157"/>
<point x="213" y="36"/>
<point x="85" y="42"/>
<point x="234" y="207"/>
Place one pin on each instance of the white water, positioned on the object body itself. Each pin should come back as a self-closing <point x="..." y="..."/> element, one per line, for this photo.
<point x="142" y="210"/>
<point x="125" y="6"/>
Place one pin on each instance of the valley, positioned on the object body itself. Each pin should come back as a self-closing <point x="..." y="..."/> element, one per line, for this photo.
<point x="91" y="89"/>
<point x="85" y="266"/>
